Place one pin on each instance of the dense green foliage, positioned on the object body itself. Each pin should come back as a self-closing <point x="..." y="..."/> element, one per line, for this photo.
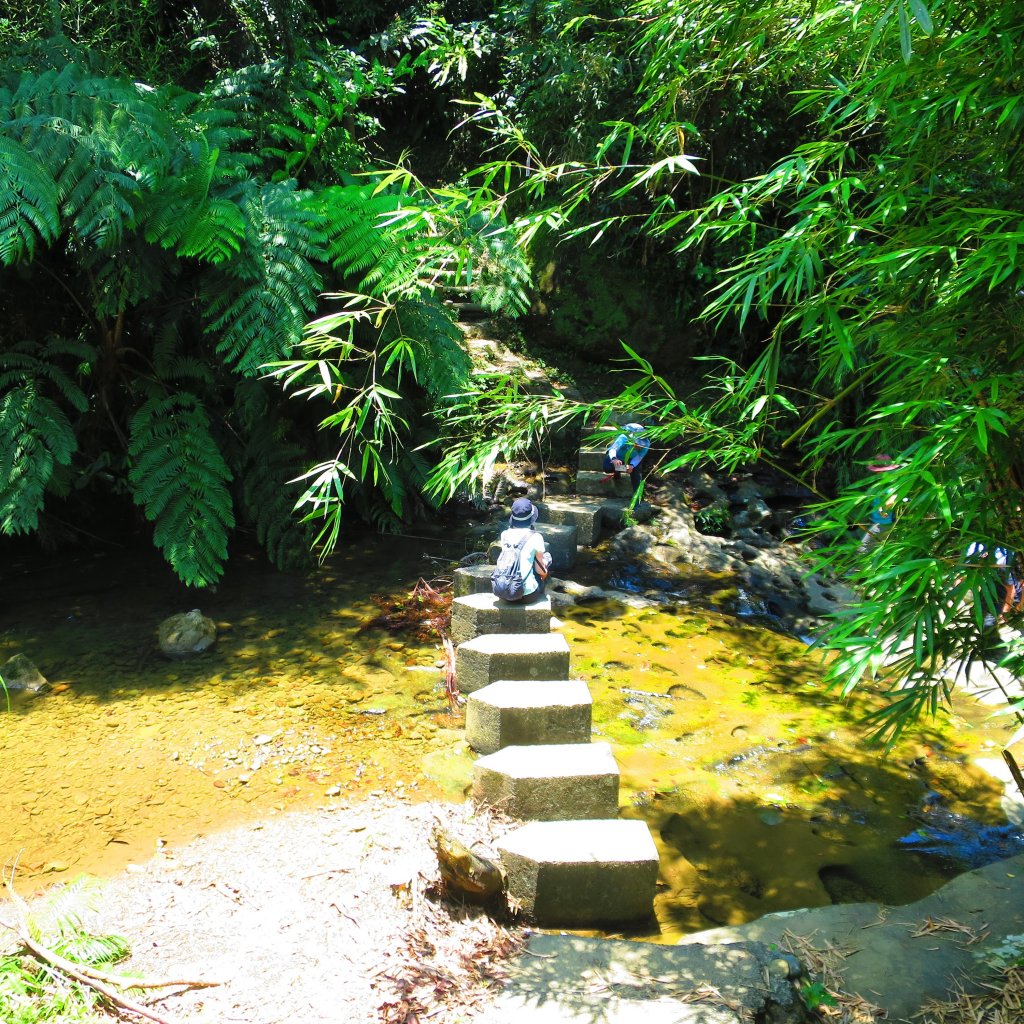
<point x="184" y="260"/>
<point x="867" y="288"/>
<point x="824" y="200"/>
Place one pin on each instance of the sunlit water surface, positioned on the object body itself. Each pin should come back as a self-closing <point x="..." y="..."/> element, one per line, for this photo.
<point x="756" y="783"/>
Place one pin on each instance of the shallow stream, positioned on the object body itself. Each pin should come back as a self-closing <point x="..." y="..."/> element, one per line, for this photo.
<point x="755" y="782"/>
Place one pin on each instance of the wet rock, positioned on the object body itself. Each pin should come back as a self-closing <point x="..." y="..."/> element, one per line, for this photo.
<point x="753" y="515"/>
<point x="958" y="840"/>
<point x="845" y="885"/>
<point x="186" y="634"/>
<point x="19" y="673"/>
<point x="632" y="542"/>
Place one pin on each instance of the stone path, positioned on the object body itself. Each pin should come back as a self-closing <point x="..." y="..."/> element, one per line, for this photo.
<point x="573" y="862"/>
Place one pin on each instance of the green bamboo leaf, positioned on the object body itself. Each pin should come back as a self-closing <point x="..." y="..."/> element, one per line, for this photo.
<point x="906" y="46"/>
<point x="921" y="16"/>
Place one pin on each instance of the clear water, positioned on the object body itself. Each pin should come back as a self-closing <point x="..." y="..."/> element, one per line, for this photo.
<point x="755" y="782"/>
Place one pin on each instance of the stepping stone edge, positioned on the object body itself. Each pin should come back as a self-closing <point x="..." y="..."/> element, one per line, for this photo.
<point x="580" y="873"/>
<point x="556" y="782"/>
<point x="486" y="659"/>
<point x="528" y="712"/>
<point x="475" y="615"/>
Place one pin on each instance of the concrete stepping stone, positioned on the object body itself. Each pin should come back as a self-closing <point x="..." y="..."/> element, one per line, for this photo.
<point x="473" y="579"/>
<point x="555" y="782"/>
<point x="586" y="513"/>
<point x="486" y="659"/>
<point x="578" y="873"/>
<point x="592" y="459"/>
<point x="560" y="540"/>
<point x="476" y="614"/>
<point x="528" y="712"/>
<point x="602" y="485"/>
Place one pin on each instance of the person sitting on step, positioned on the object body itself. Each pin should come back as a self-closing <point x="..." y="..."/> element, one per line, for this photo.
<point x="534" y="559"/>
<point x="626" y="454"/>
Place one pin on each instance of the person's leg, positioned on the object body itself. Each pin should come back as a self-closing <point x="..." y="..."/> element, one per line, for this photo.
<point x="636" y="478"/>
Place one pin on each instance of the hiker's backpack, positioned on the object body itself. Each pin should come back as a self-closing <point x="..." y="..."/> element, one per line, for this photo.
<point x="507" y="580"/>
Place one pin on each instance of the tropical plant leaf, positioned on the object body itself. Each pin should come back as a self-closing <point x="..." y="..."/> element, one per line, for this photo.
<point x="180" y="479"/>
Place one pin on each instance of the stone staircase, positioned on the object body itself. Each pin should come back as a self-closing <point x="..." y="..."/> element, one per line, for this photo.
<point x="573" y="862"/>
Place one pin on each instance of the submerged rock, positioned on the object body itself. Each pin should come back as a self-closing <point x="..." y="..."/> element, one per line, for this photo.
<point x="960" y="841"/>
<point x="18" y="673"/>
<point x="186" y="634"/>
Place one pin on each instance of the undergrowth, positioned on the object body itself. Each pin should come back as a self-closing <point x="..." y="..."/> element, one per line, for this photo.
<point x="32" y="991"/>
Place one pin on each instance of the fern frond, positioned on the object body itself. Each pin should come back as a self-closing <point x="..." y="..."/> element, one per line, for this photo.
<point x="29" y="211"/>
<point x="35" y="436"/>
<point x="58" y="923"/>
<point x="93" y="950"/>
<point x="172" y="366"/>
<point x="259" y="302"/>
<point x="217" y="235"/>
<point x="364" y="237"/>
<point x="445" y="367"/>
<point x="503" y="276"/>
<point x="32" y="363"/>
<point x="180" y="479"/>
<point x="123" y="279"/>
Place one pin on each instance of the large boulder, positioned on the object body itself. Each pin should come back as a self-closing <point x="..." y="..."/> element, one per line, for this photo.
<point x="186" y="634"/>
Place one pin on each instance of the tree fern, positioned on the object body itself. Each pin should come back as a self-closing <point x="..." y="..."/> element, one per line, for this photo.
<point x="181" y="480"/>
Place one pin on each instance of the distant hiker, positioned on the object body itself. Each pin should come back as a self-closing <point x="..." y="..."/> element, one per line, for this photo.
<point x="626" y="454"/>
<point x="523" y="564"/>
<point x="1010" y="592"/>
<point x="883" y="514"/>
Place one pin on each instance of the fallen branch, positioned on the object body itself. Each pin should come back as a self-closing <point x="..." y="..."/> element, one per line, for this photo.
<point x="98" y="981"/>
<point x="75" y="971"/>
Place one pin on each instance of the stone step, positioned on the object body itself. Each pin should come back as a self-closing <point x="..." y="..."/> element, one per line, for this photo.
<point x="528" y="712"/>
<point x="585" y="513"/>
<point x="473" y="579"/>
<point x="592" y="459"/>
<point x="652" y="983"/>
<point x="553" y="782"/>
<point x="560" y="540"/>
<point x="602" y="485"/>
<point x="476" y="614"/>
<point x="579" y="873"/>
<point x="486" y="659"/>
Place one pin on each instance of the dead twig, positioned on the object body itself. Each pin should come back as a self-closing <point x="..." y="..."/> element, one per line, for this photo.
<point x="451" y="685"/>
<point x="932" y="925"/>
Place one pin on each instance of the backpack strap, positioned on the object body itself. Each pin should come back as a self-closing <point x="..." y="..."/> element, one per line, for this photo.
<point x="518" y="548"/>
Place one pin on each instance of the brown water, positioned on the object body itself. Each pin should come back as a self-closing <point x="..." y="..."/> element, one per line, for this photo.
<point x="755" y="782"/>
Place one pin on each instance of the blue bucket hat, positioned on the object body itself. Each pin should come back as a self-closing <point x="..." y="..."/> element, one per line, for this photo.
<point x="524" y="513"/>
